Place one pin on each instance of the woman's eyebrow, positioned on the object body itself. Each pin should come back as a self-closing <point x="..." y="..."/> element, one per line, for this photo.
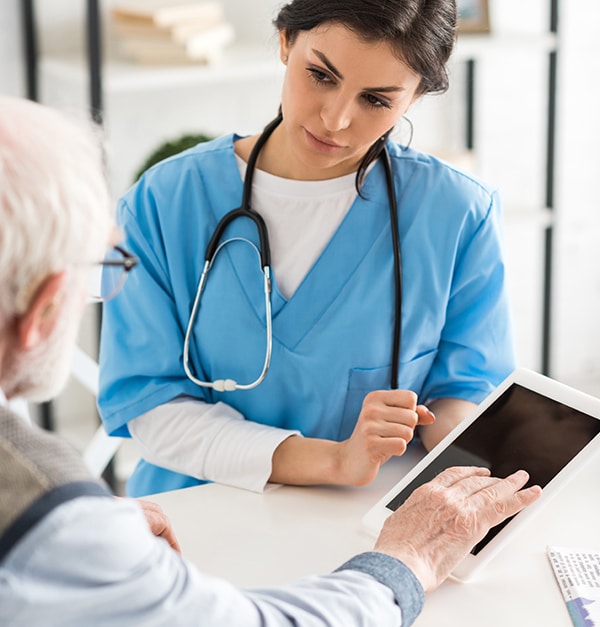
<point x="338" y="74"/>
<point x="328" y="63"/>
<point x="391" y="88"/>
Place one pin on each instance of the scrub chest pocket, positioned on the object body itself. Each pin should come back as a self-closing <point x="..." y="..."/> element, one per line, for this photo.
<point x="361" y="381"/>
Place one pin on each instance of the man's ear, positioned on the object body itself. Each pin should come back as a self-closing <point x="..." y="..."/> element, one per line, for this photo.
<point x="44" y="310"/>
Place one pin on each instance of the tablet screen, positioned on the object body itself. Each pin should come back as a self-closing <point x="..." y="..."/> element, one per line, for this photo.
<point x="520" y="430"/>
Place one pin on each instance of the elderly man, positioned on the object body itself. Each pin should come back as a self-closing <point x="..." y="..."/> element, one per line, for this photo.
<point x="71" y="553"/>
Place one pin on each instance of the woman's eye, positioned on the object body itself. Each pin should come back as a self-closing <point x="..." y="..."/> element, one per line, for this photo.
<point x="376" y="102"/>
<point x="318" y="75"/>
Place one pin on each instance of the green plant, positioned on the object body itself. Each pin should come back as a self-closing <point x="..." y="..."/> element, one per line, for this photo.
<point x="170" y="148"/>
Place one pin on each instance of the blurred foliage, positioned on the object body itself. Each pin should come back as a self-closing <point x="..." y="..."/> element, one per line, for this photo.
<point x="172" y="147"/>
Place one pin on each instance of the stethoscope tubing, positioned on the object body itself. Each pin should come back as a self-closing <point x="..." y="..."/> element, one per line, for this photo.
<point x="397" y="338"/>
<point x="264" y="252"/>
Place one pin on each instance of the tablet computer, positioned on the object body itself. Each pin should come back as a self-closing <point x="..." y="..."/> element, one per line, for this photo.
<point x="529" y="422"/>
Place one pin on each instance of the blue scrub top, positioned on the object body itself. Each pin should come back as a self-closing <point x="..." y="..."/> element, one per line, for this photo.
<point x="332" y="339"/>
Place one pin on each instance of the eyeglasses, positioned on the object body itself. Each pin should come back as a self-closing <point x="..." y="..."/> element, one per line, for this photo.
<point x="109" y="275"/>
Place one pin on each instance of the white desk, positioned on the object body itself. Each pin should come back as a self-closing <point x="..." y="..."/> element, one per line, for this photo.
<point x="255" y="540"/>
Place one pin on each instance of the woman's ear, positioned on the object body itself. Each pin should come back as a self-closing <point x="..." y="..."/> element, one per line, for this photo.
<point x="44" y="311"/>
<point x="284" y="46"/>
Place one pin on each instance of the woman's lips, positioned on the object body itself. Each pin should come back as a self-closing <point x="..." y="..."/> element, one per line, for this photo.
<point x="322" y="144"/>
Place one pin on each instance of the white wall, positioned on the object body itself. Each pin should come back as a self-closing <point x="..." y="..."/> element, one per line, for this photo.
<point x="11" y="69"/>
<point x="576" y="337"/>
<point x="510" y="141"/>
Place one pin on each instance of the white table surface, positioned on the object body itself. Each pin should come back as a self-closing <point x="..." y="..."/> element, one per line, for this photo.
<point x="287" y="532"/>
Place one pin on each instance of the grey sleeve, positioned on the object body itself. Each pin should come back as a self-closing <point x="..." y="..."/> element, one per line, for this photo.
<point x="391" y="572"/>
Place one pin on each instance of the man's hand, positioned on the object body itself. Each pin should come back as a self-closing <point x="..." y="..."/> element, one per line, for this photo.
<point x="444" y="519"/>
<point x="159" y="523"/>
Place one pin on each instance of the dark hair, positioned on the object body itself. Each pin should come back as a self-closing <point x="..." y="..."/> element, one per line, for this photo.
<point x="421" y="32"/>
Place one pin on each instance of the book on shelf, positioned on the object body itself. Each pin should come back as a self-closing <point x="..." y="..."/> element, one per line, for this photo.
<point x="165" y="13"/>
<point x="204" y="47"/>
<point x="125" y="29"/>
<point x="169" y="32"/>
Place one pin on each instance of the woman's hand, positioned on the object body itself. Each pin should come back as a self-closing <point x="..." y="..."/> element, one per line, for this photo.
<point x="385" y="426"/>
<point x="449" y="413"/>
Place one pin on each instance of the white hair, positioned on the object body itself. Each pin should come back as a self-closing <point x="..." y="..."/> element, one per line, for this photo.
<point x="54" y="201"/>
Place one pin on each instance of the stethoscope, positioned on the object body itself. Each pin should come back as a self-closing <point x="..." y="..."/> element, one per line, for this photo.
<point x="264" y="253"/>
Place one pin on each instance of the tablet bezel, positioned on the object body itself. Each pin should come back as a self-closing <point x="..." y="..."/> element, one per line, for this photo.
<point x="552" y="389"/>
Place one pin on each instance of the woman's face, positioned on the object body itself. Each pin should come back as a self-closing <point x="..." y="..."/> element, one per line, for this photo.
<point x="340" y="94"/>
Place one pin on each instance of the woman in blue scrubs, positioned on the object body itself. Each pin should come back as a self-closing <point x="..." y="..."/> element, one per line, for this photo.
<point x="325" y="413"/>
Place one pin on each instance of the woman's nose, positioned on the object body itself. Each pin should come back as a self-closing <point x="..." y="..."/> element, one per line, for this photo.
<point x="336" y="113"/>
